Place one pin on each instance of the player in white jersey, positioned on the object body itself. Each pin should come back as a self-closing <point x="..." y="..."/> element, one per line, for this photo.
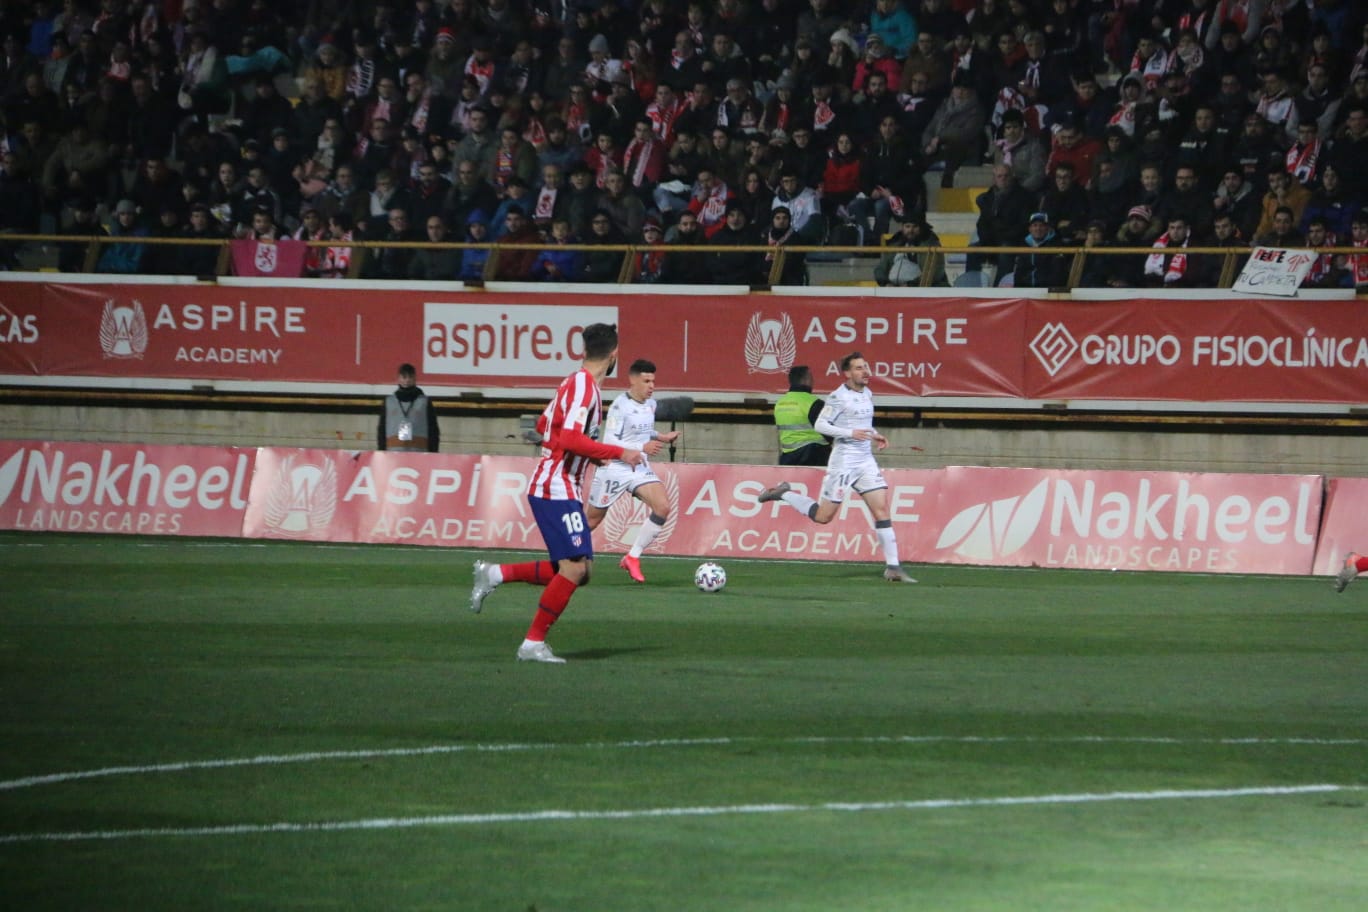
<point x="849" y="418"/>
<point x="631" y="424"/>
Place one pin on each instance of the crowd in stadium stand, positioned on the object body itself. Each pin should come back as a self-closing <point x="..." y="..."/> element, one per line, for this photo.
<point x="1165" y="124"/>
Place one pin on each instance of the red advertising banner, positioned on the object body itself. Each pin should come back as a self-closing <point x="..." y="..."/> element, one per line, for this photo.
<point x="1207" y="523"/>
<point x="715" y="514"/>
<point x="1344" y="525"/>
<point x="200" y="332"/>
<point x="1204" y="351"/>
<point x="1233" y="350"/>
<point x="481" y="502"/>
<point x="21" y="328"/>
<point x="1164" y="521"/>
<point x="123" y="488"/>
<point x="392" y="498"/>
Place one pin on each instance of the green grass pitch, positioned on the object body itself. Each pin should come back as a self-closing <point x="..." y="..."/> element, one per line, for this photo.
<point x="192" y="724"/>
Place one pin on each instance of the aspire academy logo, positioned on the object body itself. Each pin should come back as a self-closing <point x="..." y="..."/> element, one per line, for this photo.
<point x="625" y="516"/>
<point x="123" y="330"/>
<point x="996" y="529"/>
<point x="302" y="501"/>
<point x="771" y="345"/>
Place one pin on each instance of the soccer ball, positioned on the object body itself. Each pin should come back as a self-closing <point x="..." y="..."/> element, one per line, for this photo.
<point x="710" y="577"/>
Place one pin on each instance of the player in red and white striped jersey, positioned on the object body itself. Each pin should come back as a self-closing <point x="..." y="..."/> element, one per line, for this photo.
<point x="568" y="426"/>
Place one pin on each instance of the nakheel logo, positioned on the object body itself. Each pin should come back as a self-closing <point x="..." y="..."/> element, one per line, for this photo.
<point x="1053" y="346"/>
<point x="624" y="519"/>
<point x="9" y="474"/>
<point x="302" y="501"/>
<point x="123" y="330"/>
<point x="770" y="345"/>
<point x="1135" y="520"/>
<point x="996" y="529"/>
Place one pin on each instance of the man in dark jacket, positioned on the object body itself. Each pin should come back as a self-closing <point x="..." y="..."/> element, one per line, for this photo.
<point x="1041" y="270"/>
<point x="740" y="268"/>
<point x="1004" y="212"/>
<point x="890" y="178"/>
<point x="71" y="255"/>
<point x="408" y="422"/>
<point x="686" y="268"/>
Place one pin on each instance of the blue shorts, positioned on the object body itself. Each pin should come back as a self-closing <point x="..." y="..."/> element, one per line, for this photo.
<point x="563" y="528"/>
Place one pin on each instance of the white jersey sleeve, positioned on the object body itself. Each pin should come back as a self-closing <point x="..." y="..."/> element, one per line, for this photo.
<point x="847" y="411"/>
<point x="630" y="424"/>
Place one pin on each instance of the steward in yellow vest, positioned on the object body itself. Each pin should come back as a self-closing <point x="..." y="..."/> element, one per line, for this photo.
<point x="794" y="415"/>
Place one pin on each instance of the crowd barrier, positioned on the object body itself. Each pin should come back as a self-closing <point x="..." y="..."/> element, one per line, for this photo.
<point x="1097" y="520"/>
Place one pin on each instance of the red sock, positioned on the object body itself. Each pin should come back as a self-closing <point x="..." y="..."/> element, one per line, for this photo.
<point x="553" y="601"/>
<point x="539" y="573"/>
<point x="1361" y="565"/>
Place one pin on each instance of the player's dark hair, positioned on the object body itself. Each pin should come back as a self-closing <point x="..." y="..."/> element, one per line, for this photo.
<point x="853" y="356"/>
<point x="407" y="370"/>
<point x="641" y="366"/>
<point x="599" y="340"/>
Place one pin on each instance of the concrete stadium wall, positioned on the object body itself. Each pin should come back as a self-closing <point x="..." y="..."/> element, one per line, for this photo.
<point x="942" y="441"/>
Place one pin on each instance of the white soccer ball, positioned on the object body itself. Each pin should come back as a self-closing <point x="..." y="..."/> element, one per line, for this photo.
<point x="710" y="577"/>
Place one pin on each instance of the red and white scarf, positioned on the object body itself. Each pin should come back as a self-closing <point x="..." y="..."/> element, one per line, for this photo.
<point x="638" y="156"/>
<point x="1153" y="69"/>
<point x="576" y="119"/>
<point x="546" y="204"/>
<point x="1359" y="264"/>
<point x="663" y="119"/>
<point x="1303" y="161"/>
<point x="503" y="166"/>
<point x="650" y="264"/>
<point x="1177" y="263"/>
<point x="483" y="72"/>
<point x="419" y="118"/>
<point x="714" y="208"/>
<point x="535" y="133"/>
<point x="773" y="241"/>
<point x="822" y="116"/>
<point x="1324" y="263"/>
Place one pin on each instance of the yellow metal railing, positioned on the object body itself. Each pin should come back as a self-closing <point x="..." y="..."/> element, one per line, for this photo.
<point x="934" y="264"/>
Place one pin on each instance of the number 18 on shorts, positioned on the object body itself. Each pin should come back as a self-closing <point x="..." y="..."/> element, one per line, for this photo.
<point x="562" y="526"/>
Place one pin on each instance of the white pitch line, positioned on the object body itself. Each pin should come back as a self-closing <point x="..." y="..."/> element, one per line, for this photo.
<point x="437" y="749"/>
<point x="556" y="816"/>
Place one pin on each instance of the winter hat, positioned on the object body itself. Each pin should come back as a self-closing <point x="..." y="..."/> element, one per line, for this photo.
<point x="842" y="36"/>
<point x="1139" y="212"/>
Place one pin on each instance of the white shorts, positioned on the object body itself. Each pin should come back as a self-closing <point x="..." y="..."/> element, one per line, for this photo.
<point x="861" y="478"/>
<point x="613" y="480"/>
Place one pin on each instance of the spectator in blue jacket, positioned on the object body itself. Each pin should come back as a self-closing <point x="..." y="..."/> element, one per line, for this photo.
<point x="477" y="232"/>
<point x="891" y="21"/>
<point x="556" y="264"/>
<point x="124" y="258"/>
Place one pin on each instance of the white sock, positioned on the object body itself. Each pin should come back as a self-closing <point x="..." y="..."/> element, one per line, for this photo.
<point x="800" y="502"/>
<point x="645" y="535"/>
<point x="890" y="545"/>
<point x="494" y="574"/>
